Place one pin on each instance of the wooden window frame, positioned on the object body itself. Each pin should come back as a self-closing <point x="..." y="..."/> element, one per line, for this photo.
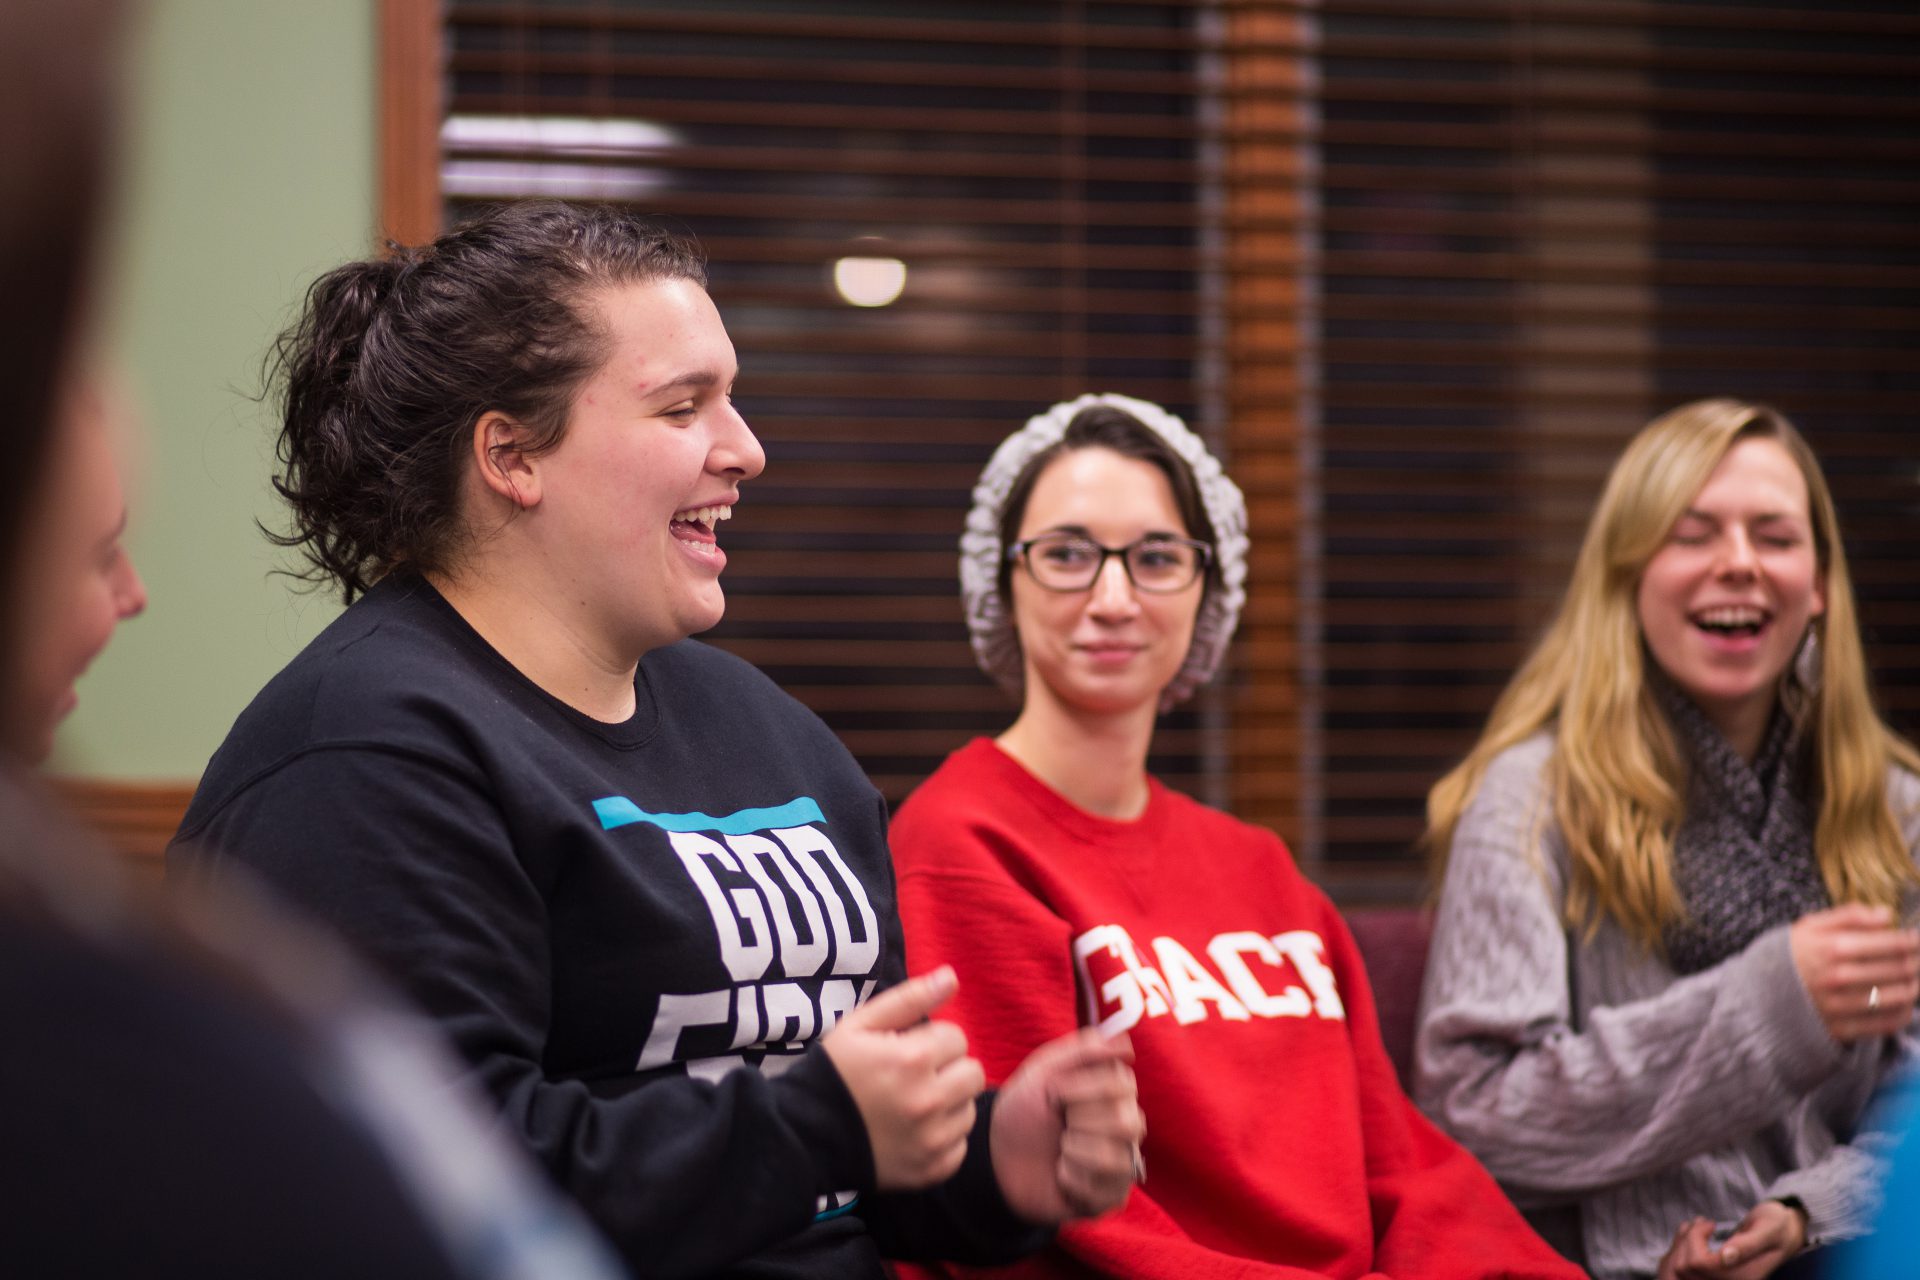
<point x="412" y="61"/>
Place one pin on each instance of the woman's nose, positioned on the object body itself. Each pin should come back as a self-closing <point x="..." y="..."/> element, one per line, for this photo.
<point x="735" y="448"/>
<point x="129" y="593"/>
<point x="1737" y="556"/>
<point x="1113" y="590"/>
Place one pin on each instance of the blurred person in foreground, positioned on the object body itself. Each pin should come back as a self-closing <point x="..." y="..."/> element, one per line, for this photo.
<point x="1666" y="977"/>
<point x="1891" y="1251"/>
<point x="173" y="1109"/>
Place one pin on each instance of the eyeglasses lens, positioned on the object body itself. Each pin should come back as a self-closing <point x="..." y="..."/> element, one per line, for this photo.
<point x="1072" y="564"/>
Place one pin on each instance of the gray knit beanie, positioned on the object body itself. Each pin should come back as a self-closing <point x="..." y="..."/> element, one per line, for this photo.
<point x="997" y="648"/>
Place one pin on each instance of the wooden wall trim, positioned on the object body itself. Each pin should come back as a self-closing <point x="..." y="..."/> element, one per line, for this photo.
<point x="412" y="61"/>
<point x="1270" y="359"/>
<point x="136" y="819"/>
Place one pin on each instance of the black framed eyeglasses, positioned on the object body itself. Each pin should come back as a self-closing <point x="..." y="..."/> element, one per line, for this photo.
<point x="1072" y="561"/>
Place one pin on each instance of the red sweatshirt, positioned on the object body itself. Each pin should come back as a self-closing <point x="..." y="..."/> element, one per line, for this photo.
<point x="1279" y="1143"/>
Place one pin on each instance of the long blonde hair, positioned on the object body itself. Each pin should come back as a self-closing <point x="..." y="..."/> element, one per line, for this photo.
<point x="1617" y="776"/>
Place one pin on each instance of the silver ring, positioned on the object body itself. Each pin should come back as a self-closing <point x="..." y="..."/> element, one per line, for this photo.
<point x="1873" y="997"/>
<point x="1139" y="1167"/>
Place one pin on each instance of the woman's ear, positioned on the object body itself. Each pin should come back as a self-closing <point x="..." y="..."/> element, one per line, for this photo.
<point x="501" y="462"/>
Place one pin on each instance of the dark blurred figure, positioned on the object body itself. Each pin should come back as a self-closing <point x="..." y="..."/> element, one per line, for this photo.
<point x="172" y="1110"/>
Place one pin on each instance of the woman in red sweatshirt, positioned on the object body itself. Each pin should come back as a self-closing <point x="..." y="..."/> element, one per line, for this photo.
<point x="1102" y="567"/>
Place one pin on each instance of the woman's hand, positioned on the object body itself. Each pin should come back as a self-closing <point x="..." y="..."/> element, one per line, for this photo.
<point x="911" y="1079"/>
<point x="1771" y="1233"/>
<point x="1067" y="1129"/>
<point x="1861" y="972"/>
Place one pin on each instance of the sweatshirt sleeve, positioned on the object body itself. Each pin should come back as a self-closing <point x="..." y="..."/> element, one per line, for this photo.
<point x="1841" y="1192"/>
<point x="1556" y="1112"/>
<point x="1436" y="1212"/>
<point x="409" y="859"/>
<point x="965" y="1219"/>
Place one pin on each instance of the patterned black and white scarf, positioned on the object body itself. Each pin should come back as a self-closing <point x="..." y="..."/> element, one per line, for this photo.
<point x="1743" y="857"/>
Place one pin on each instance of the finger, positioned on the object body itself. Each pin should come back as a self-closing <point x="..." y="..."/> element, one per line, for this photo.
<point x="1867" y="999"/>
<point x="1873" y="1003"/>
<point x="1681" y="1254"/>
<point x="1895" y="947"/>
<point x="1867" y="989"/>
<point x="1080" y="1048"/>
<point x="942" y="1163"/>
<point x="1852" y="915"/>
<point x="1088" y="1195"/>
<point x="1114" y="1155"/>
<point x="1878" y="996"/>
<point x="951" y="1127"/>
<point x="1099" y="1083"/>
<point x="1092" y="1184"/>
<point x="1669" y="1268"/>
<point x="1761" y="1264"/>
<point x="967" y="1074"/>
<point x="1752" y="1262"/>
<point x="1867" y="947"/>
<point x="1696" y="1248"/>
<point x="940" y="1042"/>
<point x="1749" y="1239"/>
<point x="1112" y="1152"/>
<point x="1881" y="1022"/>
<point x="1126" y="1127"/>
<point x="1087" y="1050"/>
<point x="1756" y="1231"/>
<point x="903" y="1006"/>
<point x="959" y="1081"/>
<point x="1117" y="1118"/>
<point x="1106" y="1110"/>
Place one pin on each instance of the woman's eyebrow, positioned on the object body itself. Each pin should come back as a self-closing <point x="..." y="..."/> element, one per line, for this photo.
<point x="695" y="380"/>
<point x="1081" y="531"/>
<point x="1764" y="517"/>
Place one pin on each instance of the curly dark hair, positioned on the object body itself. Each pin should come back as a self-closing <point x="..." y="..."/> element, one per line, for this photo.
<point x="395" y="359"/>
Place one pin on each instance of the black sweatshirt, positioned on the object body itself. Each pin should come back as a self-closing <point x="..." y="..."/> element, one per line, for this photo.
<point x="607" y="920"/>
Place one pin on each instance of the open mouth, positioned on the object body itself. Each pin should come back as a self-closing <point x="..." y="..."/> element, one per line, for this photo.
<point x="1732" y="622"/>
<point x="695" y="524"/>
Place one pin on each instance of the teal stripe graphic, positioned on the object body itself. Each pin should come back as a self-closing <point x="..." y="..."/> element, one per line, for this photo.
<point x="826" y="1214"/>
<point x="618" y="811"/>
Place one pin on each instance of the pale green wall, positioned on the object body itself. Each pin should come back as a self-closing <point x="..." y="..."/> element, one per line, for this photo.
<point x="250" y="168"/>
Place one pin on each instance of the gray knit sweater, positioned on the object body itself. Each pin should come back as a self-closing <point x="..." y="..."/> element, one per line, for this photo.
<point x="1611" y="1098"/>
